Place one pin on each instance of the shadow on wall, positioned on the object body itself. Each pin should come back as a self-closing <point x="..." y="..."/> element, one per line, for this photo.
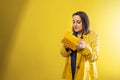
<point x="10" y="12"/>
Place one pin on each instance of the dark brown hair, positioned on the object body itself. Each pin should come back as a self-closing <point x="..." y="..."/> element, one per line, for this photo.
<point x="85" y="21"/>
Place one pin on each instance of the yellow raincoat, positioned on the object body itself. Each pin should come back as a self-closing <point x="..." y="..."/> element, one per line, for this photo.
<point x="86" y="60"/>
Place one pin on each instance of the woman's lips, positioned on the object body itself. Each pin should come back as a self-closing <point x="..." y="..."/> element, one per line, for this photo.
<point x="76" y="27"/>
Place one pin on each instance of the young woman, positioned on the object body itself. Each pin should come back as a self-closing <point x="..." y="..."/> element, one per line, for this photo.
<point x="81" y="63"/>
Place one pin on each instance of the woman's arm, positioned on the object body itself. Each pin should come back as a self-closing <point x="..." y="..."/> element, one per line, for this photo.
<point x="91" y="51"/>
<point x="65" y="52"/>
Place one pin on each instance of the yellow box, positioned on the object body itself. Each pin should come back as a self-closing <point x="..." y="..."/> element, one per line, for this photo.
<point x="70" y="40"/>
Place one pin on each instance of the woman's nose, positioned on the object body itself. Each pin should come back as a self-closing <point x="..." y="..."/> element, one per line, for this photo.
<point x="75" y="24"/>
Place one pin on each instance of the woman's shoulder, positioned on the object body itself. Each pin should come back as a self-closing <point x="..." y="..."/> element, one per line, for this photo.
<point x="92" y="33"/>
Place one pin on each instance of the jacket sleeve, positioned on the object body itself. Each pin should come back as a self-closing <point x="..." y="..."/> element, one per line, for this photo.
<point x="64" y="52"/>
<point x="91" y="51"/>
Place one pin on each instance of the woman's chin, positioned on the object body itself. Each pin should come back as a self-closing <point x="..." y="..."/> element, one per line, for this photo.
<point x="76" y="30"/>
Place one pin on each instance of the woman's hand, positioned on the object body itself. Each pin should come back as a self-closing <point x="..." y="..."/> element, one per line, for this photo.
<point x="65" y="46"/>
<point x="81" y="46"/>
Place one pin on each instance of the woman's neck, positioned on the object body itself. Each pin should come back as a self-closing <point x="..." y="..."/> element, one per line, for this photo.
<point x="79" y="34"/>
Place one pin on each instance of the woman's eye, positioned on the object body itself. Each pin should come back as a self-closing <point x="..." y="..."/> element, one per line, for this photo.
<point x="79" y="22"/>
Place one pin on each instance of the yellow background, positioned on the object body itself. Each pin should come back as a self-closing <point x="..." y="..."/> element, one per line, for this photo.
<point x="31" y="33"/>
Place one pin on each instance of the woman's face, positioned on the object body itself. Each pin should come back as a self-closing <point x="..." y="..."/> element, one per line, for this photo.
<point x="77" y="23"/>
